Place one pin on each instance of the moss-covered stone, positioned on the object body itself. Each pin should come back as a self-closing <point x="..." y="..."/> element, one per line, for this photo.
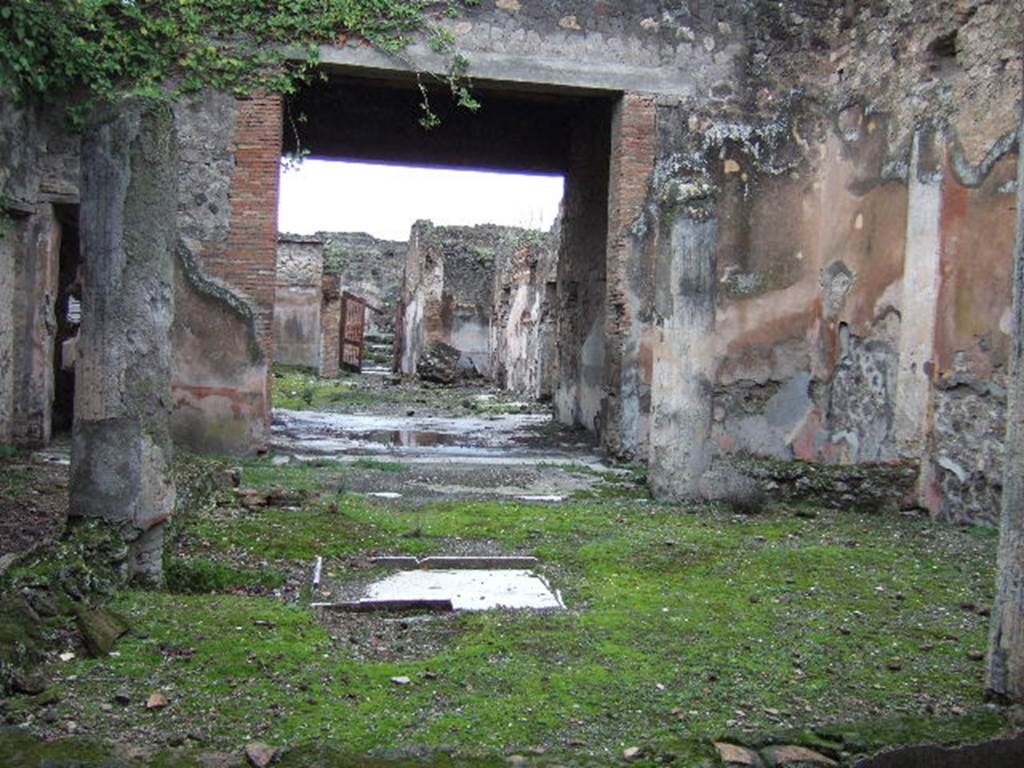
<point x="21" y="639"/>
<point x="100" y="629"/>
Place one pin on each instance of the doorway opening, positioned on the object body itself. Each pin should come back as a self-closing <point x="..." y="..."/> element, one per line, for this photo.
<point x="68" y="316"/>
<point x="550" y="295"/>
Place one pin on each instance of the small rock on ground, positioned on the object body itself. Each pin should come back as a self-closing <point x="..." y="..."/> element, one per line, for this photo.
<point x="733" y="754"/>
<point x="260" y="755"/>
<point x="789" y="755"/>
<point x="632" y="753"/>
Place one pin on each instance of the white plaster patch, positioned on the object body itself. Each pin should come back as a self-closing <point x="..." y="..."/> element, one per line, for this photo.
<point x="469" y="589"/>
<point x="1005" y="321"/>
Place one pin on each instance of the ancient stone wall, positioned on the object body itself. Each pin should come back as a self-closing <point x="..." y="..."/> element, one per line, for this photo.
<point x="35" y="326"/>
<point x="38" y="168"/>
<point x="6" y="329"/>
<point x="370" y="268"/>
<point x="230" y="153"/>
<point x="523" y="339"/>
<point x="224" y="217"/>
<point x="864" y="228"/>
<point x="297" y="302"/>
<point x="449" y="291"/>
<point x="582" y="255"/>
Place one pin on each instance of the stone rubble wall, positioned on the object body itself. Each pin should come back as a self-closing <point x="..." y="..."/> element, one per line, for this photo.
<point x="35" y="173"/>
<point x="370" y="268"/>
<point x="221" y="402"/>
<point x="863" y="215"/>
<point x="489" y="291"/>
<point x="7" y="255"/>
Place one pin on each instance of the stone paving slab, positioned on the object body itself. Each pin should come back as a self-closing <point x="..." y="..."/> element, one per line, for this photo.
<point x="453" y="562"/>
<point x="467" y="589"/>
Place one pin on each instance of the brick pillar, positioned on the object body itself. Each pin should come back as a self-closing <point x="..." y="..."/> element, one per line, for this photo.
<point x="249" y="263"/>
<point x="633" y="149"/>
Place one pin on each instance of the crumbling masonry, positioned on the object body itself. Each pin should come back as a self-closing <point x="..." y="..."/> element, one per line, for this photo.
<point x="787" y="230"/>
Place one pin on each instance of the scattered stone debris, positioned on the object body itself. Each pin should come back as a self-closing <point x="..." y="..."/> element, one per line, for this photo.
<point x="439" y="363"/>
<point x="733" y="754"/>
<point x="157" y="700"/>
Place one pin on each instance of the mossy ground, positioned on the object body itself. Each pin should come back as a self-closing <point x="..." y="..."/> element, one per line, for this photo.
<point x="296" y="389"/>
<point x="684" y="624"/>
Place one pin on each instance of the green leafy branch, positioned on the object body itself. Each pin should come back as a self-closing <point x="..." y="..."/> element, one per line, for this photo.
<point x="89" y="51"/>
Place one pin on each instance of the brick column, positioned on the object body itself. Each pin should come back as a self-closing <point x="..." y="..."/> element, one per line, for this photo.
<point x="633" y="149"/>
<point x="248" y="263"/>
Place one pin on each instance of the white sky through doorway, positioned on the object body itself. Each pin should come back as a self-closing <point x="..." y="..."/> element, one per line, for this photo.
<point x="384" y="200"/>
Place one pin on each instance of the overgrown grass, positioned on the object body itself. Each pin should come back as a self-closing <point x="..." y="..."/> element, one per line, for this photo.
<point x="682" y="625"/>
<point x="199" y="576"/>
<point x="299" y="390"/>
<point x="380" y="466"/>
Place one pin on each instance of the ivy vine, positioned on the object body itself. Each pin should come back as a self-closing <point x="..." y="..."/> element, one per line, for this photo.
<point x="89" y="51"/>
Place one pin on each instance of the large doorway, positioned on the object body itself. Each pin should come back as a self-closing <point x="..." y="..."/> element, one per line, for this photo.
<point x="520" y="129"/>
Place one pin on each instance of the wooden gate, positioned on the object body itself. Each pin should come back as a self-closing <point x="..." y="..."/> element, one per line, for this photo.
<point x="353" y="324"/>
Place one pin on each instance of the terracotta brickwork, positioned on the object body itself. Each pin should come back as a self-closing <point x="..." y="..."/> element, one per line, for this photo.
<point x="249" y="262"/>
<point x="634" y="147"/>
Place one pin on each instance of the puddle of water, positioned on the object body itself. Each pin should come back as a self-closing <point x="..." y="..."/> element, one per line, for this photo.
<point x="469" y="589"/>
<point x="405" y="438"/>
<point x="472" y="439"/>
